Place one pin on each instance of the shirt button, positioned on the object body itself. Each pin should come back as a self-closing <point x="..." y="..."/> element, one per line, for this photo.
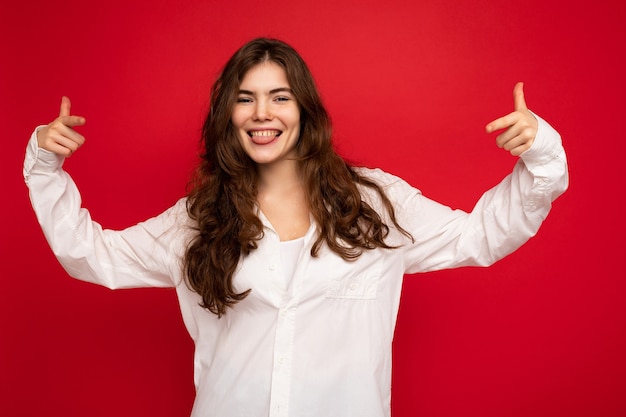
<point x="272" y="267"/>
<point x="353" y="286"/>
<point x="281" y="360"/>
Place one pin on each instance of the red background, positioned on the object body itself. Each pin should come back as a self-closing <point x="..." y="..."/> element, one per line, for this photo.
<point x="410" y="85"/>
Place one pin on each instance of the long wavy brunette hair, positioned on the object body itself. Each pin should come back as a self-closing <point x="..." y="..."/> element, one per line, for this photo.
<point x="222" y="198"/>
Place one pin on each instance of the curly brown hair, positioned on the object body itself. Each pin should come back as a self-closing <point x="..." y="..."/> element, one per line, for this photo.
<point x="222" y="198"/>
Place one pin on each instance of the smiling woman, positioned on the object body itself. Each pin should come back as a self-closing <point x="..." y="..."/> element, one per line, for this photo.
<point x="266" y="117"/>
<point x="265" y="314"/>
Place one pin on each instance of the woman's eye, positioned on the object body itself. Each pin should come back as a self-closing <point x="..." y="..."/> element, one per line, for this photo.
<point x="244" y="100"/>
<point x="282" y="99"/>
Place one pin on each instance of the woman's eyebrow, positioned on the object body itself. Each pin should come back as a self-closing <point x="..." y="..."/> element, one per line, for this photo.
<point x="281" y="90"/>
<point x="274" y="91"/>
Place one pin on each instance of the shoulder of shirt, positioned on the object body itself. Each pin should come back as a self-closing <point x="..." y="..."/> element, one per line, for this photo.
<point x="394" y="187"/>
<point x="180" y="208"/>
<point x="177" y="213"/>
<point x="380" y="177"/>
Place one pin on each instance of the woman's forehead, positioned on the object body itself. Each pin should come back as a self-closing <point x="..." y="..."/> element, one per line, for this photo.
<point x="264" y="77"/>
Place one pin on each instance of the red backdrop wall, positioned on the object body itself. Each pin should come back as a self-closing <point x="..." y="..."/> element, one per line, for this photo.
<point x="410" y="85"/>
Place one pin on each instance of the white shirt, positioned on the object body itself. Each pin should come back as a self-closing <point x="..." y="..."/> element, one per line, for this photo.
<point x="322" y="345"/>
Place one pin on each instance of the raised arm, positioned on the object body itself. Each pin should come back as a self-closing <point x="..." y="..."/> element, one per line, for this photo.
<point x="505" y="216"/>
<point x="143" y="255"/>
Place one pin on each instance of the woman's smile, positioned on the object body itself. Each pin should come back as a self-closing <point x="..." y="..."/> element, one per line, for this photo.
<point x="264" y="137"/>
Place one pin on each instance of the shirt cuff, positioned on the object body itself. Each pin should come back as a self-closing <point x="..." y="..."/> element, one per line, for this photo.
<point x="38" y="158"/>
<point x="546" y="146"/>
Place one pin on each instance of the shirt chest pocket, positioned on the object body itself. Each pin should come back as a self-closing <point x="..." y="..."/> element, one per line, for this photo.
<point x="357" y="283"/>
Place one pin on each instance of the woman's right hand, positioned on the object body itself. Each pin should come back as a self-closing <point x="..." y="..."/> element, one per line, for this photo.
<point x="59" y="136"/>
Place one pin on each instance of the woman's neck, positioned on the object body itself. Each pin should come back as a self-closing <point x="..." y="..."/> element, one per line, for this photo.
<point x="279" y="177"/>
<point x="282" y="199"/>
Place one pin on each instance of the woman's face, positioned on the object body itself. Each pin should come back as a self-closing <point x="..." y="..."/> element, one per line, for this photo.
<point x="266" y="116"/>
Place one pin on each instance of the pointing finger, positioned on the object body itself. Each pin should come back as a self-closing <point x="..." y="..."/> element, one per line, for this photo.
<point x="65" y="106"/>
<point x="502" y="122"/>
<point x="73" y="121"/>
<point x="518" y="97"/>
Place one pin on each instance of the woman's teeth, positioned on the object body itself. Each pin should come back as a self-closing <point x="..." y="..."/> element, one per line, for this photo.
<point x="264" y="133"/>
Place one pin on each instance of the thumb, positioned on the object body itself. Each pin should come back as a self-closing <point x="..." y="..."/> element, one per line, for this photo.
<point x="65" y="116"/>
<point x="65" y="106"/>
<point x="518" y="97"/>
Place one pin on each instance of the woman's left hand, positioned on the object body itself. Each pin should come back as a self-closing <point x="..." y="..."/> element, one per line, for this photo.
<point x="520" y="126"/>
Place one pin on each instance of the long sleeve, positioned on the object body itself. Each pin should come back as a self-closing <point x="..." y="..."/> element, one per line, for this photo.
<point x="144" y="255"/>
<point x="502" y="220"/>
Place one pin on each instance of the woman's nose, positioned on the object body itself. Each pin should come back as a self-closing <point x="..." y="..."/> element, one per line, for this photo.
<point x="262" y="111"/>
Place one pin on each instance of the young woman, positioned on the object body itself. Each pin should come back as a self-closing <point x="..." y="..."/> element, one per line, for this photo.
<point x="287" y="261"/>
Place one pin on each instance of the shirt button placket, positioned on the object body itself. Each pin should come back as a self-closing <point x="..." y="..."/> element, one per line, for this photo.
<point x="281" y="372"/>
